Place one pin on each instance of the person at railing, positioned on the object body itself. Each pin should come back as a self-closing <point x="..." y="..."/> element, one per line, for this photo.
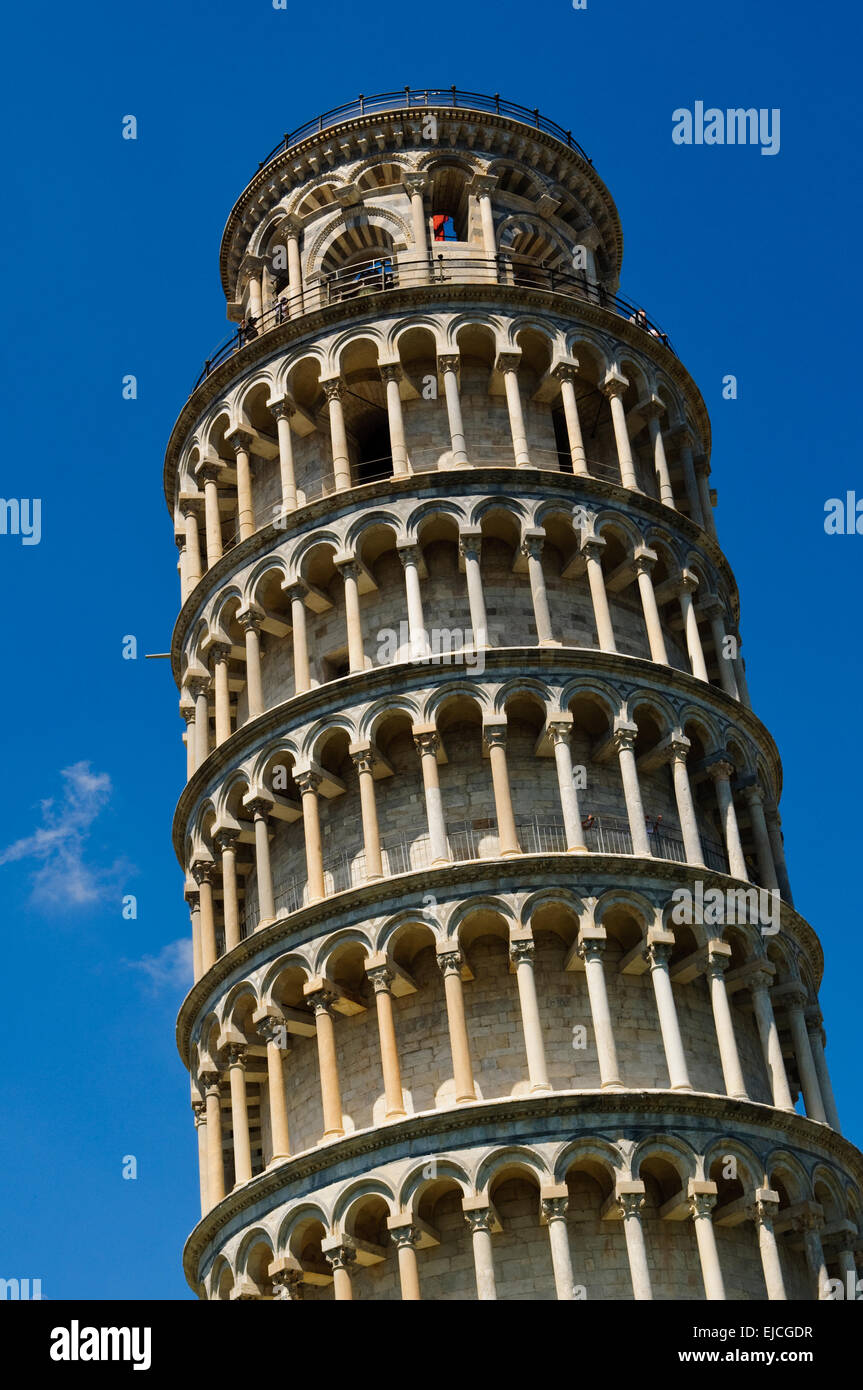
<point x="639" y="318"/>
<point x="247" y="330"/>
<point x="588" y="822"/>
<point x="654" y="824"/>
<point x="281" y="308"/>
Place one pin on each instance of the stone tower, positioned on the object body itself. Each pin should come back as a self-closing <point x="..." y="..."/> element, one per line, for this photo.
<point x="500" y="990"/>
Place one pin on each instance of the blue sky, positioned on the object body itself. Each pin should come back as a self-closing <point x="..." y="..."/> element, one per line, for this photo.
<point x="111" y="254"/>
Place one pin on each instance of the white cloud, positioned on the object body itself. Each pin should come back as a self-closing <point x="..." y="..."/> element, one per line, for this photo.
<point x="64" y="879"/>
<point x="171" y="969"/>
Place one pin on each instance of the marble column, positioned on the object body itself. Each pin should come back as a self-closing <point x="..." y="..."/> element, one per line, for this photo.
<point x="702" y="474"/>
<point x="321" y="1001"/>
<point x="201" y="1131"/>
<point x="198" y="689"/>
<point x="630" y="1204"/>
<point x="643" y="564"/>
<point x="762" y="1211"/>
<point x="227" y="842"/>
<point x="193" y="549"/>
<point x="381" y="979"/>
<point x="814" y="1024"/>
<point x="202" y="871"/>
<point x="274" y="1034"/>
<point x="479" y="1223"/>
<point x="720" y="774"/>
<point x="794" y="1003"/>
<point x="653" y="410"/>
<point x="714" y="611"/>
<point x="239" y="1114"/>
<point x="769" y="1034"/>
<point x="350" y="571"/>
<point x="416" y="185"/>
<point x="405" y="1239"/>
<point x="410" y="557"/>
<point x="283" y="412"/>
<point x="521" y="953"/>
<point x="250" y="621"/>
<point x="774" y="831"/>
<point x="554" y="1210"/>
<point x="591" y="951"/>
<point x="470" y="549"/>
<point x="220" y="653"/>
<point x="808" y="1224"/>
<point x="391" y="375"/>
<point x="678" y="752"/>
<point x="334" y="389"/>
<point x="342" y="1260"/>
<point x="259" y="808"/>
<point x="427" y="743"/>
<point x="507" y="364"/>
<point x="701" y="1205"/>
<point x="215" y="1156"/>
<point x="624" y="745"/>
<point x="657" y="956"/>
<point x="240" y="441"/>
<point x="296" y="592"/>
<point x="209" y="475"/>
<point x="592" y="550"/>
<point x="308" y="783"/>
<point x="688" y="585"/>
<point x="448" y="367"/>
<point x="560" y="733"/>
<point x="763" y="850"/>
<point x="364" y="760"/>
<point x="531" y="548"/>
<point x="613" y="388"/>
<point x="449" y="963"/>
<point x="732" y="1072"/>
<point x="566" y="375"/>
<point x="494" y="737"/>
<point x="689" y="480"/>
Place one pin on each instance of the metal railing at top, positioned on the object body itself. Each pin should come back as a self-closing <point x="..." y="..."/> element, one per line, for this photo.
<point x="471" y="840"/>
<point x="410" y="98"/>
<point x="380" y="275"/>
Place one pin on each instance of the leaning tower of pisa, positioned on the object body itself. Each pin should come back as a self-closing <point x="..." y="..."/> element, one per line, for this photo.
<point x="500" y="990"/>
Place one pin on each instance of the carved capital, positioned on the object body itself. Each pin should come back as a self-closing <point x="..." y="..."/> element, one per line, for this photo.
<point x="448" y="362"/>
<point x="721" y="771"/>
<point x="381" y="977"/>
<point x="701" y="1204"/>
<point x="250" y="619"/>
<point x="630" y="1203"/>
<point x="239" y="440"/>
<point x="427" y="743"/>
<point x="508" y="361"/>
<point x="479" y="1219"/>
<point x="521" y="951"/>
<point x="449" y="962"/>
<point x="657" y="954"/>
<point x="554" y="1208"/>
<point x="494" y="735"/>
<point x="344" y="1256"/>
<point x="363" y="759"/>
<point x="402" y="1236"/>
<point x="203" y="871"/>
<point x="308" y="781"/>
<point x="334" y="388"/>
<point x="624" y="740"/>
